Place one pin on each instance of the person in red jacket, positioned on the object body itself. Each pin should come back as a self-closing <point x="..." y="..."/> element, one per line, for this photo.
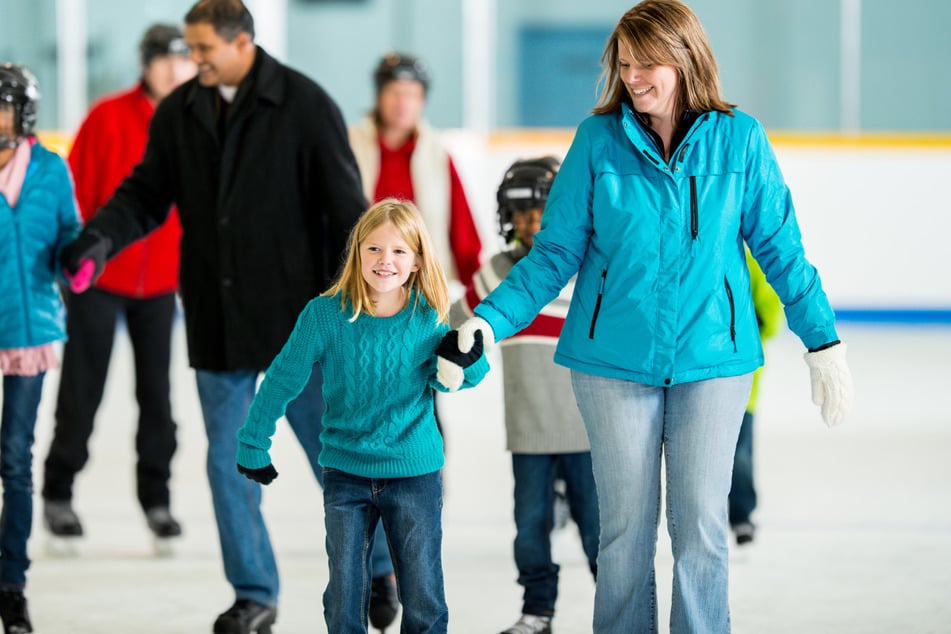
<point x="139" y="285"/>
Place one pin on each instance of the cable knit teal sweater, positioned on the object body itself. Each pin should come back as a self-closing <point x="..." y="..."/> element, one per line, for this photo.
<point x="379" y="376"/>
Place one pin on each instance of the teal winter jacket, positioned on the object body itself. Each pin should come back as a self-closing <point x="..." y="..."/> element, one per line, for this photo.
<point x="663" y="291"/>
<point x="32" y="233"/>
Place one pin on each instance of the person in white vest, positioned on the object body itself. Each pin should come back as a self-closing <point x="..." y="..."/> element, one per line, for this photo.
<point x="401" y="156"/>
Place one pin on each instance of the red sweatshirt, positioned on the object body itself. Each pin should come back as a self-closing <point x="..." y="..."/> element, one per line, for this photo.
<point x="110" y="142"/>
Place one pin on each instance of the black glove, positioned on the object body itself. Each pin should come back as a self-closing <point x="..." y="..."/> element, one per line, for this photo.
<point x="264" y="475"/>
<point x="448" y="349"/>
<point x="90" y="245"/>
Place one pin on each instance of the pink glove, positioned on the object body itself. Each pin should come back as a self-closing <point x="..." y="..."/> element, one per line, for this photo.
<point x="83" y="278"/>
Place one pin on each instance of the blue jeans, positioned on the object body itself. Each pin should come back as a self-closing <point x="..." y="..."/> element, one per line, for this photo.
<point x="694" y="426"/>
<point x="410" y="511"/>
<point x="21" y="400"/>
<point x="249" y="562"/>
<point x="742" y="491"/>
<point x="534" y="505"/>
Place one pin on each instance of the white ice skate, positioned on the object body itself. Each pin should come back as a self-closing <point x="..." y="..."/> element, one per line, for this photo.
<point x="64" y="528"/>
<point x="165" y="530"/>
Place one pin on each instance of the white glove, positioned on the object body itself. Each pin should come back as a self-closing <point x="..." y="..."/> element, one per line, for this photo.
<point x="449" y="374"/>
<point x="467" y="334"/>
<point x="831" y="383"/>
<point x="451" y="362"/>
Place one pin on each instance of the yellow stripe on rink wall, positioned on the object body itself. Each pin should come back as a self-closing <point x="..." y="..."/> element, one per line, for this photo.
<point x="528" y="137"/>
<point x="871" y="140"/>
<point x="56" y="140"/>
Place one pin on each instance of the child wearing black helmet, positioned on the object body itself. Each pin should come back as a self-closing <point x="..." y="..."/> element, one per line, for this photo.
<point x="544" y="429"/>
<point x="38" y="217"/>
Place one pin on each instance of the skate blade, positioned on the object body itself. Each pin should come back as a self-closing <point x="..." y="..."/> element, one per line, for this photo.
<point x="164" y="547"/>
<point x="62" y="547"/>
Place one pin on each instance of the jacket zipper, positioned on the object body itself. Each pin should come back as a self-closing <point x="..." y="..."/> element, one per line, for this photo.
<point x="729" y="296"/>
<point x="683" y="152"/>
<point x="597" y="304"/>
<point x="694" y="215"/>
<point x="25" y="303"/>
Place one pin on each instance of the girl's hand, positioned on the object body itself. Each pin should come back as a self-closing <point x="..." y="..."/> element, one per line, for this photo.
<point x="264" y="475"/>
<point x="451" y="362"/>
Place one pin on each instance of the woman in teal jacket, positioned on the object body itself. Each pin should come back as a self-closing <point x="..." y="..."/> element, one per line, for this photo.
<point x="655" y="198"/>
<point x="38" y="215"/>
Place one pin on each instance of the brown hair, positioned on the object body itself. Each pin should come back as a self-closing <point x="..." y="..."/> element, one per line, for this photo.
<point x="663" y="32"/>
<point x="228" y="17"/>
<point x="429" y="280"/>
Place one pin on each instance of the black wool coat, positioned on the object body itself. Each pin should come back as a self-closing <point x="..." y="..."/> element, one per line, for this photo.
<point x="267" y="199"/>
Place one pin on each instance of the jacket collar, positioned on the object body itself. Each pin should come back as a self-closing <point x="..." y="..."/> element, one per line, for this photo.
<point x="263" y="82"/>
<point x="641" y="121"/>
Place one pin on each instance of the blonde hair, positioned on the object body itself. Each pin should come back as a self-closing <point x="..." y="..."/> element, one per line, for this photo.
<point x="663" y="32"/>
<point x="429" y="280"/>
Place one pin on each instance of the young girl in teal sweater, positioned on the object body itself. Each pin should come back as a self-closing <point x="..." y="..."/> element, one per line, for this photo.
<point x="377" y="334"/>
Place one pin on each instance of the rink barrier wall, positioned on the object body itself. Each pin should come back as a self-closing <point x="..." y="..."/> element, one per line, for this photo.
<point x="872" y="206"/>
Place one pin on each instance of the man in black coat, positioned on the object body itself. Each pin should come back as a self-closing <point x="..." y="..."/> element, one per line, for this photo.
<point x="256" y="157"/>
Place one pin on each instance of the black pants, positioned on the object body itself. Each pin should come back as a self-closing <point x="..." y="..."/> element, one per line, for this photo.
<point x="90" y="325"/>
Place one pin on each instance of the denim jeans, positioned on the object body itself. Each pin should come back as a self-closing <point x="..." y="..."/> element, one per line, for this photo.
<point x="695" y="427"/>
<point x="534" y="476"/>
<point x="249" y="562"/>
<point x="410" y="510"/>
<point x="742" y="491"/>
<point x="21" y="400"/>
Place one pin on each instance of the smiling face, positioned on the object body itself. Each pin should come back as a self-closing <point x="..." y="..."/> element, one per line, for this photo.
<point x="220" y="62"/>
<point x="386" y="262"/>
<point x="652" y="87"/>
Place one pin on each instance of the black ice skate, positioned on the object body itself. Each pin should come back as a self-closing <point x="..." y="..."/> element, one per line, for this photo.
<point x="63" y="525"/>
<point x="246" y="617"/>
<point x="164" y="527"/>
<point x="384" y="603"/>
<point x="16" y="618"/>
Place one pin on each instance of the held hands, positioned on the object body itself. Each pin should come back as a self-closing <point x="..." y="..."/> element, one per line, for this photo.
<point x="451" y="361"/>
<point x="467" y="334"/>
<point x="84" y="258"/>
<point x="831" y="383"/>
<point x="264" y="475"/>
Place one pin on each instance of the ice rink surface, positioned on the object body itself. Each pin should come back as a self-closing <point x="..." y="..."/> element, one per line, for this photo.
<point x="854" y="522"/>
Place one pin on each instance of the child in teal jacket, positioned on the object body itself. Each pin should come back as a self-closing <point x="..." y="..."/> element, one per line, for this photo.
<point x="38" y="216"/>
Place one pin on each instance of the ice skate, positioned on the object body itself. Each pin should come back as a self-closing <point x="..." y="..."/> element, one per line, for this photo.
<point x="165" y="530"/>
<point x="384" y="603"/>
<point x="246" y="617"/>
<point x="64" y="528"/>
<point x="530" y="624"/>
<point x="13" y="611"/>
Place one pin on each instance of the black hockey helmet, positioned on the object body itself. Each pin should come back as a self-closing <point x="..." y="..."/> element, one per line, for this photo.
<point x="401" y="66"/>
<point x="525" y="186"/>
<point x="19" y="91"/>
<point x="160" y="40"/>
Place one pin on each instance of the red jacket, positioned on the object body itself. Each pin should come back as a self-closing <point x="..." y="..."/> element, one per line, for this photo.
<point x="110" y="142"/>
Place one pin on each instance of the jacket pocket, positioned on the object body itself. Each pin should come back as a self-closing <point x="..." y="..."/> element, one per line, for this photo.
<point x="729" y="297"/>
<point x="597" y="303"/>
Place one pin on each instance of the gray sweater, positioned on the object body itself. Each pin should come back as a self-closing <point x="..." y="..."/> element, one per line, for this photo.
<point x="541" y="415"/>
